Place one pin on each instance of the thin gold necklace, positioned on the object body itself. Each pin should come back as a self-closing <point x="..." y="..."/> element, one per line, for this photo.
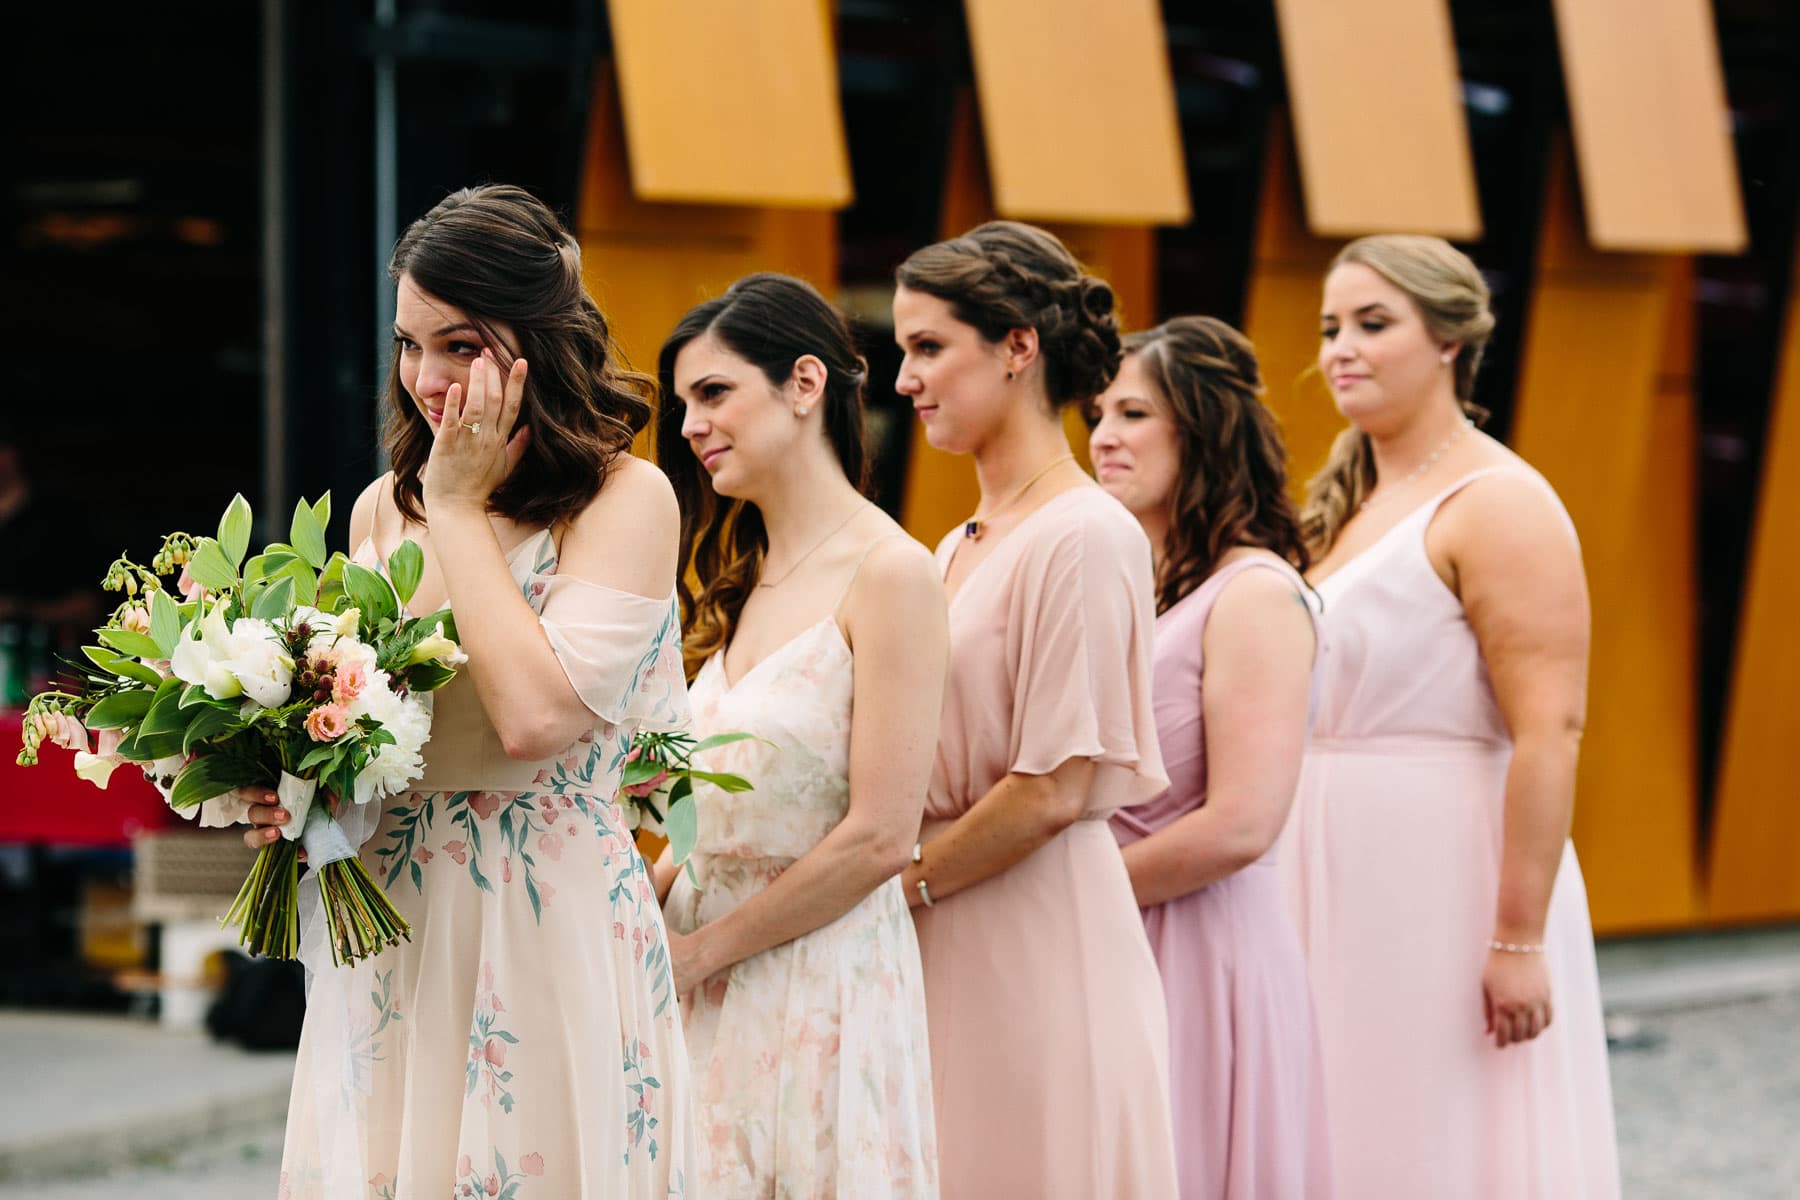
<point x="972" y="528"/>
<point x="835" y="530"/>
<point x="1430" y="462"/>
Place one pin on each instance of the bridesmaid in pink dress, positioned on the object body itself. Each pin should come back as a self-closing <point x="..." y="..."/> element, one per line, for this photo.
<point x="1429" y="868"/>
<point x="1181" y="439"/>
<point x="1049" y="1040"/>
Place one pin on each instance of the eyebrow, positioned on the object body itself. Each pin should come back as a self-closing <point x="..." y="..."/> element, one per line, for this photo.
<point x="691" y="384"/>
<point x="446" y="331"/>
<point x="1367" y="308"/>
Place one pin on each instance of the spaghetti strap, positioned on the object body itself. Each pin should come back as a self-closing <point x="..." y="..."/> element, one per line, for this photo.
<point x="844" y="594"/>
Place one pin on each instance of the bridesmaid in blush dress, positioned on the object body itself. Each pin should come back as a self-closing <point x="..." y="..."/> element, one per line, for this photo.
<point x="1181" y="439"/>
<point x="1433" y="884"/>
<point x="1049" y="1039"/>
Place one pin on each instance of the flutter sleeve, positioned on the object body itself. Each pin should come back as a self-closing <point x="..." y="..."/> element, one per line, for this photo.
<point x="620" y="651"/>
<point x="1085" y="629"/>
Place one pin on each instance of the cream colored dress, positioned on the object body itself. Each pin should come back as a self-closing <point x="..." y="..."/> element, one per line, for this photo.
<point x="812" y="1073"/>
<point x="525" y="1043"/>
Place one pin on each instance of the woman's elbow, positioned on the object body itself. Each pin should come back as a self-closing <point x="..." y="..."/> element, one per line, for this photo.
<point x="535" y="737"/>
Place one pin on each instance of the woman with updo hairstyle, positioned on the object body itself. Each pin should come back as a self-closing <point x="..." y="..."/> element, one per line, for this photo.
<point x="1049" y="1040"/>
<point x="1183" y="440"/>
<point x="526" y="1038"/>
<point x="818" y="625"/>
<point x="1428" y="862"/>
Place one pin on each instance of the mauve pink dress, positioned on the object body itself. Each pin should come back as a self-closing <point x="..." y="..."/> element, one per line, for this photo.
<point x="1049" y="1043"/>
<point x="1392" y="864"/>
<point x="1246" y="1083"/>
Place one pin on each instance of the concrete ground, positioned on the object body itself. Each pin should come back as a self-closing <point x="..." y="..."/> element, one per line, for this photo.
<point x="1705" y="1062"/>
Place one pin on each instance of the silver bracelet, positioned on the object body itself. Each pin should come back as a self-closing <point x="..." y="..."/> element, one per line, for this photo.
<point x="925" y="894"/>
<point x="1516" y="947"/>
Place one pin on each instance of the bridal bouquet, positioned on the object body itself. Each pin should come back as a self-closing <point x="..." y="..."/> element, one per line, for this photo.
<point x="657" y="790"/>
<point x="295" y="670"/>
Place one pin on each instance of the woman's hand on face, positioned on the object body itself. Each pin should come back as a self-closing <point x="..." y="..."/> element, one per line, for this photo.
<point x="266" y="816"/>
<point x="1515" y="990"/>
<point x="472" y="454"/>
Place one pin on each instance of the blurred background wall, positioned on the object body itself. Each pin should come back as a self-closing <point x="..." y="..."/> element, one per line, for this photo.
<point x="205" y="193"/>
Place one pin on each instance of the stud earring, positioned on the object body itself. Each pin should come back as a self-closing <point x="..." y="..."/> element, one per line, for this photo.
<point x="1009" y="377"/>
<point x="1446" y="357"/>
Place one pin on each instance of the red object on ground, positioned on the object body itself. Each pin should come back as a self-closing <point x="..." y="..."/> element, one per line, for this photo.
<point x="50" y="804"/>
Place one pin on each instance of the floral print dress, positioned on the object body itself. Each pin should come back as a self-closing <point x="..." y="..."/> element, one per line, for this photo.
<point x="812" y="1072"/>
<point x="526" y="1042"/>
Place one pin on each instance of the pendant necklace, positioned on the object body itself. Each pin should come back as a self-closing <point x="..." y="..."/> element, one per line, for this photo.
<point x="972" y="529"/>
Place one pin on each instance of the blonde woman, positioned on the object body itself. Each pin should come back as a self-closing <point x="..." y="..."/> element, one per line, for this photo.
<point x="1429" y="867"/>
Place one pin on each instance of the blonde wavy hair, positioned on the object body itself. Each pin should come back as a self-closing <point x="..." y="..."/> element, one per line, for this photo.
<point x="1452" y="298"/>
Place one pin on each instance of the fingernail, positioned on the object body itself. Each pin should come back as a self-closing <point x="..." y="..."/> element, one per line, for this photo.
<point x="281" y="814"/>
<point x="519" y="366"/>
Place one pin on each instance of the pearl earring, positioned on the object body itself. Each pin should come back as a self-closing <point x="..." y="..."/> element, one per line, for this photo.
<point x="1447" y="356"/>
<point x="800" y="410"/>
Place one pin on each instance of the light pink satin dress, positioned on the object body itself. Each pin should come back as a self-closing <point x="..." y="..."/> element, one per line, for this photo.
<point x="1246" y="1082"/>
<point x="1049" y="1040"/>
<point x="1392" y="865"/>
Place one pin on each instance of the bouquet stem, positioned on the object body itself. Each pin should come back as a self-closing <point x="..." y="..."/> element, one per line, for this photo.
<point x="266" y="910"/>
<point x="358" y="917"/>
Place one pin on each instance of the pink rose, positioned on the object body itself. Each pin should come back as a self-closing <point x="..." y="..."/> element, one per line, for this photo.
<point x="348" y="683"/>
<point x="532" y="1164"/>
<point x="187" y="585"/>
<point x="328" y="722"/>
<point x="136" y="619"/>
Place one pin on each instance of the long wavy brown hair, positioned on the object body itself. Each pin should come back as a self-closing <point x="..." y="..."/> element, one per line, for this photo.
<point x="500" y="255"/>
<point x="770" y="321"/>
<point x="1452" y="299"/>
<point x="1232" y="488"/>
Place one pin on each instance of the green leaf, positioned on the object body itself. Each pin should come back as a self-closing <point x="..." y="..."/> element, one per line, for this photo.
<point x="148" y="747"/>
<point x="213" y="775"/>
<point x="118" y="664"/>
<point x="371" y="593"/>
<point x="406" y="566"/>
<point x="120" y="710"/>
<point x="166" y="713"/>
<point x="210" y="568"/>
<point x="725" y="783"/>
<point x="276" y="600"/>
<point x="234" y="529"/>
<point x="269" y="563"/>
<point x="429" y="677"/>
<point x="317" y="755"/>
<point x="683" y="828"/>
<point x="308" y="534"/>
<point x="212" y="722"/>
<point x="137" y="644"/>
<point x="723" y="739"/>
<point x="165" y="622"/>
<point x="322" y="510"/>
<point x="195" y="694"/>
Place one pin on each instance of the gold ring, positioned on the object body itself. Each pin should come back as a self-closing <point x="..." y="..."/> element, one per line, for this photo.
<point x="472" y="426"/>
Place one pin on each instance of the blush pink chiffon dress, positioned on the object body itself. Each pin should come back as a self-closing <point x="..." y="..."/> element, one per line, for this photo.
<point x="1392" y="866"/>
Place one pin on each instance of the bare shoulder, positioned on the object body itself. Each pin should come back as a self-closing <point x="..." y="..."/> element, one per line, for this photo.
<point x="637" y="486"/>
<point x="897" y="585"/>
<point x="362" y="513"/>
<point x="626" y="536"/>
<point x="1513" y="506"/>
<point x="1259" y="600"/>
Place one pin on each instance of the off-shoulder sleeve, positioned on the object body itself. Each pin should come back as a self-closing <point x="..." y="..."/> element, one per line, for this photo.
<point x="1085" y="627"/>
<point x="621" y="652"/>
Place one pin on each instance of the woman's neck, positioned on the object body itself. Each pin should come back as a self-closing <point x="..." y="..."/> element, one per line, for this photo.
<point x="809" y="498"/>
<point x="1027" y="442"/>
<point x="1400" y="451"/>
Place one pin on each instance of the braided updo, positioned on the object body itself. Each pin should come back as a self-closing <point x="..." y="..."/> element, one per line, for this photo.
<point x="1006" y="275"/>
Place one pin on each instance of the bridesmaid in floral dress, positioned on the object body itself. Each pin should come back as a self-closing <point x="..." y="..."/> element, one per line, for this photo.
<point x="525" y="1042"/>
<point x="1049" y="1038"/>
<point x="1183" y="441"/>
<point x="819" y="626"/>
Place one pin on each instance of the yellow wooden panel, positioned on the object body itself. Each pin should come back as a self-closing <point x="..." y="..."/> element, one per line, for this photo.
<point x="1281" y="314"/>
<point x="1652" y="130"/>
<point x="730" y="102"/>
<point x="1378" y="116"/>
<point x="940" y="488"/>
<point x="1605" y="411"/>
<point x="1756" y="822"/>
<point x="1079" y="108"/>
<point x="647" y="264"/>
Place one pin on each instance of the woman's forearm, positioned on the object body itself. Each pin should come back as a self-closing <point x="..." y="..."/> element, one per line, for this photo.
<point x="1198" y="849"/>
<point x="820" y="886"/>
<point x="1540" y="798"/>
<point x="522" y="686"/>
<point x="1017" y="816"/>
